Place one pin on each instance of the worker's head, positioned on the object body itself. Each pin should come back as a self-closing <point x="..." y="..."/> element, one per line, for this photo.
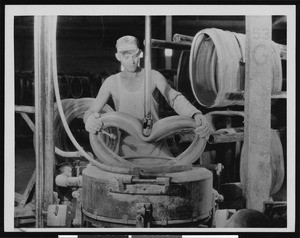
<point x="128" y="52"/>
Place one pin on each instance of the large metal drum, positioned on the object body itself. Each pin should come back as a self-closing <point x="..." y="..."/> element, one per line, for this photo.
<point x="216" y="66"/>
<point x="180" y="199"/>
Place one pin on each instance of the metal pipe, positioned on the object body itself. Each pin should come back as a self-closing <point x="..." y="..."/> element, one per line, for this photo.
<point x="28" y="121"/>
<point x="64" y="181"/>
<point x="155" y="43"/>
<point x="39" y="41"/>
<point x="147" y="125"/>
<point x="27" y="109"/>
<point x="225" y="138"/>
<point x="168" y="38"/>
<point x="239" y="95"/>
<point x="215" y="137"/>
<point x="68" y="154"/>
<point x="183" y="39"/>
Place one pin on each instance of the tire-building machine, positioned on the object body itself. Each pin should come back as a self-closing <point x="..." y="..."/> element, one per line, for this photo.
<point x="175" y="195"/>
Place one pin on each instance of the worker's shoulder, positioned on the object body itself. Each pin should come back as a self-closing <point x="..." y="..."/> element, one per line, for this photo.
<point x="157" y="76"/>
<point x="110" y="81"/>
<point x="155" y="72"/>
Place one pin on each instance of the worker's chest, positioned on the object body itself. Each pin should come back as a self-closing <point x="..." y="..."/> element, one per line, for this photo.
<point x="130" y="87"/>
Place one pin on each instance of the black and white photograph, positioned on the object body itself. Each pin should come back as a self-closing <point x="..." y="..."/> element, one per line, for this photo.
<point x="150" y="118"/>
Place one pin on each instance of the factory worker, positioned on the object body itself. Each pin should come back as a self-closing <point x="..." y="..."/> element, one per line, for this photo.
<point x="127" y="91"/>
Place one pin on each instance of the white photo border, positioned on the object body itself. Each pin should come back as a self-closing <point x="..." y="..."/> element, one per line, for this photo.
<point x="118" y="10"/>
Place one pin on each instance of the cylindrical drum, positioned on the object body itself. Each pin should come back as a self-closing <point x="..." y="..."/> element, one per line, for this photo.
<point x="80" y="87"/>
<point x="171" y="199"/>
<point x="216" y="67"/>
<point x="276" y="165"/>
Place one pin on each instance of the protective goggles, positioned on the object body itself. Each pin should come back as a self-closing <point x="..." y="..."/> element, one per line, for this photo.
<point x="130" y="54"/>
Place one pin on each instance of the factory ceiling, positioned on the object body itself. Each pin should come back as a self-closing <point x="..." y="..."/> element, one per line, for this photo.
<point x="111" y="27"/>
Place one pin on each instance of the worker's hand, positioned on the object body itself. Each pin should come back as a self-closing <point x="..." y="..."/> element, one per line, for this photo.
<point x="93" y="124"/>
<point x="202" y="126"/>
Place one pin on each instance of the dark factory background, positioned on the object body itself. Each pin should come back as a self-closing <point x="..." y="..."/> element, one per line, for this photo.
<point x="86" y="52"/>
<point x="86" y="48"/>
<point x="86" y="44"/>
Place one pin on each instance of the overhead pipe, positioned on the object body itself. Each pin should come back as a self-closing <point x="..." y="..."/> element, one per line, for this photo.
<point x="162" y="44"/>
<point x="184" y="39"/>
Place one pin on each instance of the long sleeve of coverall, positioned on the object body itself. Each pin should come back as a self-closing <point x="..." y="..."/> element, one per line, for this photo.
<point x="181" y="105"/>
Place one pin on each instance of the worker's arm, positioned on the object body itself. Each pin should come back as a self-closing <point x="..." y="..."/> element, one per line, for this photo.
<point x="174" y="98"/>
<point x="181" y="105"/>
<point x="91" y="116"/>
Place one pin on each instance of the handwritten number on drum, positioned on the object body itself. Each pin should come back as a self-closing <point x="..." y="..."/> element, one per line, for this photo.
<point x="263" y="34"/>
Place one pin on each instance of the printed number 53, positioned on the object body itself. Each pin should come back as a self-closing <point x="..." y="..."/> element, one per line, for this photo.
<point x="261" y="33"/>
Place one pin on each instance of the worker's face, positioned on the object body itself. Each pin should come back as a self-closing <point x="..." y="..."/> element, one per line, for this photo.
<point x="129" y="60"/>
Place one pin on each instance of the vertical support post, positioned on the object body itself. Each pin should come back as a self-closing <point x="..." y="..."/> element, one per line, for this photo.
<point x="45" y="58"/>
<point x="39" y="118"/>
<point x="168" y="38"/>
<point x="255" y="161"/>
<point x="147" y="124"/>
<point x="49" y="112"/>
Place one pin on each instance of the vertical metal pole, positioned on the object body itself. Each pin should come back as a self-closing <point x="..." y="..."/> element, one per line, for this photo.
<point x="44" y="46"/>
<point x="49" y="110"/>
<point x="168" y="38"/>
<point x="147" y="125"/>
<point x="255" y="161"/>
<point x="39" y="118"/>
